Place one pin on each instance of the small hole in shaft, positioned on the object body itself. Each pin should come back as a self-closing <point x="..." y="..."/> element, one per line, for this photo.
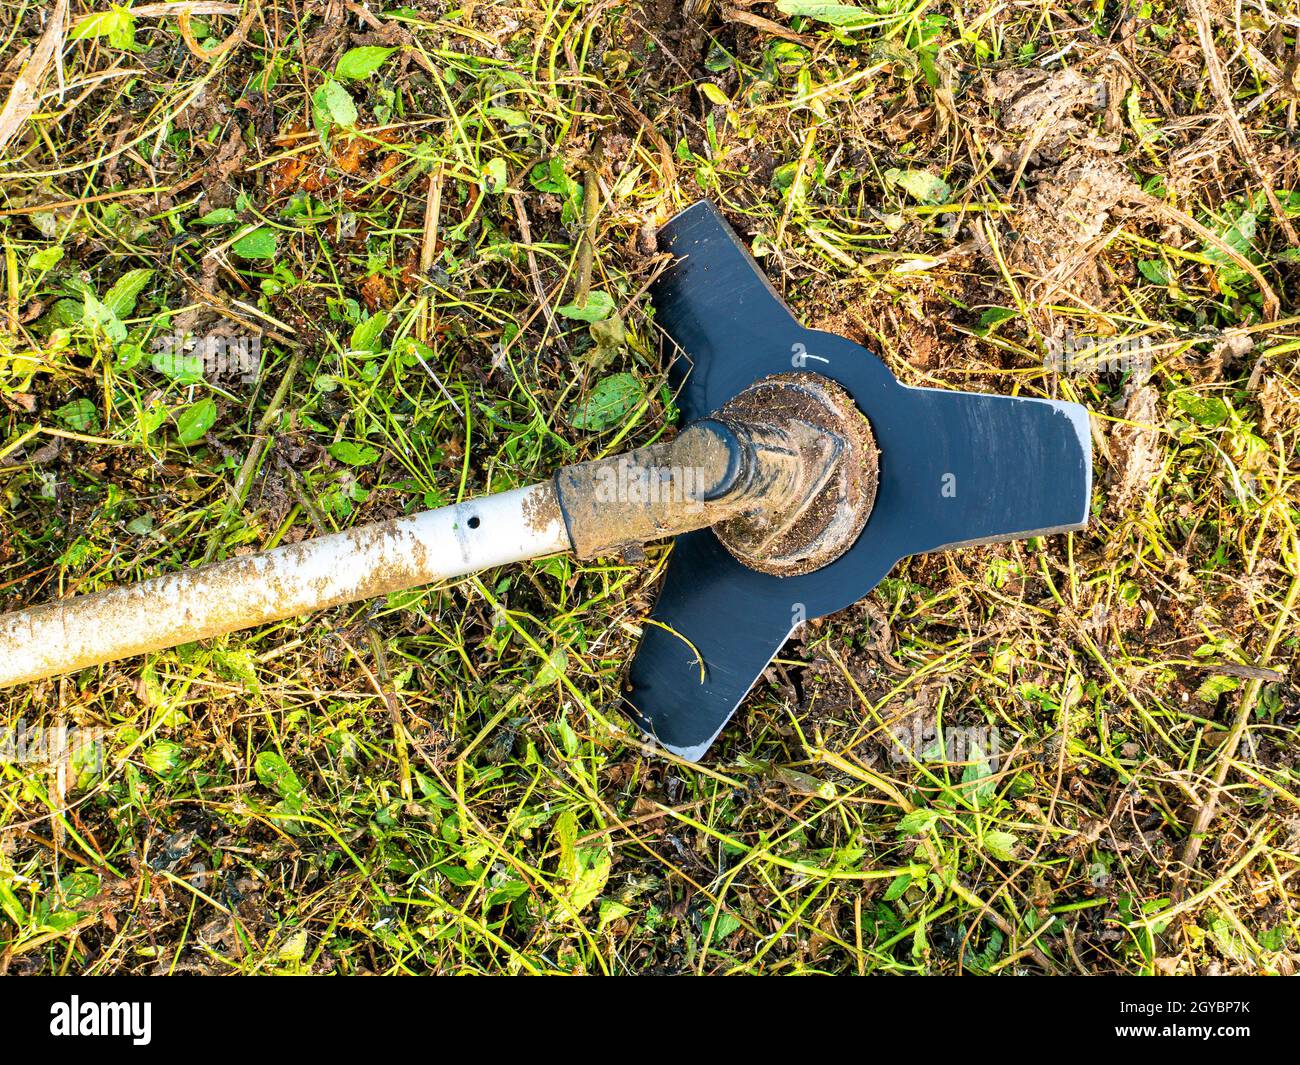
<point x="473" y="522"/>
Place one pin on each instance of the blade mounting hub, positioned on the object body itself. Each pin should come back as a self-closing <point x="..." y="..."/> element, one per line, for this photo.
<point x="827" y="483"/>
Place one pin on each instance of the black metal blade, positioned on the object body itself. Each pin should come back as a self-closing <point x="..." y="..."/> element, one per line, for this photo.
<point x="967" y="469"/>
<point x="955" y="469"/>
<point x="715" y="302"/>
<point x="720" y="628"/>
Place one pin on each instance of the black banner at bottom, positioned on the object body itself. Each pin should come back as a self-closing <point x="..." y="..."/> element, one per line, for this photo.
<point x="142" y="1016"/>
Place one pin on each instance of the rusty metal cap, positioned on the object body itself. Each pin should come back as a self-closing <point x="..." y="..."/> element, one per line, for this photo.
<point x="820" y="468"/>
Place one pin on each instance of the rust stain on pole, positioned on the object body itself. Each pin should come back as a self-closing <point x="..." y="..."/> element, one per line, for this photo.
<point x="292" y="580"/>
<point x="786" y="473"/>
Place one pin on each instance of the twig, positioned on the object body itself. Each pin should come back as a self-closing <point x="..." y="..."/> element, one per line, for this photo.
<point x="526" y="235"/>
<point x="245" y="479"/>
<point x="211" y="55"/>
<point x="1183" y="905"/>
<point x="23" y="96"/>
<point x="1219" y="83"/>
<point x="656" y="138"/>
<point x="81" y="201"/>
<point x="383" y="685"/>
<point x="171" y="10"/>
<point x="428" y="252"/>
<point x="590" y="209"/>
<point x="764" y="25"/>
<point x="1272" y="305"/>
<point x="1249" y="696"/>
<point x="219" y="306"/>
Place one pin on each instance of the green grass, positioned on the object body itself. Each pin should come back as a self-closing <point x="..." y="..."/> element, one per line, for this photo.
<point x="442" y="781"/>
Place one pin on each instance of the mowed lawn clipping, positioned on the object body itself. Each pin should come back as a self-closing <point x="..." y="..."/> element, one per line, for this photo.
<point x="279" y="268"/>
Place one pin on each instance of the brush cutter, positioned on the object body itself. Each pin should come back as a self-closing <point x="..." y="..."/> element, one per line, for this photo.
<point x="804" y="473"/>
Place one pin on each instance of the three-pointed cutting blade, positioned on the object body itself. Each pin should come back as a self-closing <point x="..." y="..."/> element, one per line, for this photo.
<point x="955" y="469"/>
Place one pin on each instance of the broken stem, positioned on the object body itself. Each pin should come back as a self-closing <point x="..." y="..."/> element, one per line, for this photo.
<point x="590" y="209"/>
<point x="1249" y="696"/>
<point x="253" y="459"/>
<point x="1219" y="83"/>
<point x="1172" y="214"/>
<point x="381" y="680"/>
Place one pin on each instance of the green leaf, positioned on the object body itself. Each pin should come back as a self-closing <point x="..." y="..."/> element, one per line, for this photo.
<point x="550" y="177"/>
<point x="725" y="924"/>
<point x="121" y="298"/>
<point x="1270" y="939"/>
<point x="366" y="335"/>
<point x="332" y="106"/>
<point x="509" y="115"/>
<point x="783" y="176"/>
<point x="259" y="243"/>
<point x="831" y="14"/>
<point x="80" y="415"/>
<point x="221" y="216"/>
<point x="994" y="317"/>
<point x="568" y="738"/>
<point x="565" y="836"/>
<point x="1238" y="234"/>
<point x="594" y="865"/>
<point x="1002" y="845"/>
<point x="921" y="185"/>
<point x="897" y="886"/>
<point x="65" y="314"/>
<point x="358" y="63"/>
<point x="612" y="400"/>
<point x="195" y="421"/>
<point x="804" y="783"/>
<point x="98" y="314"/>
<point x="294" y="948"/>
<point x="1207" y="410"/>
<point x="599" y="305"/>
<point x="238" y="665"/>
<point x="586" y="869"/>
<point x="495" y="175"/>
<point x="116" y="24"/>
<point x="164" y="757"/>
<point x="609" y="336"/>
<point x="1214" y="686"/>
<point x="610" y="911"/>
<point x="45" y="259"/>
<point x="978" y="779"/>
<point x="275" y="773"/>
<point x="1142" y="126"/>
<point x="713" y="94"/>
<point x="918" y="821"/>
<point x="353" y="454"/>
<point x="1154" y="270"/>
<point x="11" y="907"/>
<point x="553" y="668"/>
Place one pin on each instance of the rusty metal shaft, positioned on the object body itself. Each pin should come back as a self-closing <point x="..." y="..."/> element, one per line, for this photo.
<point x="289" y="581"/>
<point x="775" y="481"/>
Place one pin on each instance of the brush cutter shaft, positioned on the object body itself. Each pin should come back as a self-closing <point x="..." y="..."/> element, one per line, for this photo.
<point x="288" y="581"/>
<point x="760" y="479"/>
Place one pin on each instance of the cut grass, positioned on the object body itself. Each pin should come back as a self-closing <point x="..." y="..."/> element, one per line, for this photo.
<point x="1065" y="755"/>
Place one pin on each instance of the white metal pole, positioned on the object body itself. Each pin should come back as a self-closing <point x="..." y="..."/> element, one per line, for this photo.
<point x="295" y="579"/>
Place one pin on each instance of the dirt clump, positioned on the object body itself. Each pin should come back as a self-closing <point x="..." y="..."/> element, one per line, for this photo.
<point x="1058" y="232"/>
<point x="1040" y="114"/>
<point x="1135" y="449"/>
